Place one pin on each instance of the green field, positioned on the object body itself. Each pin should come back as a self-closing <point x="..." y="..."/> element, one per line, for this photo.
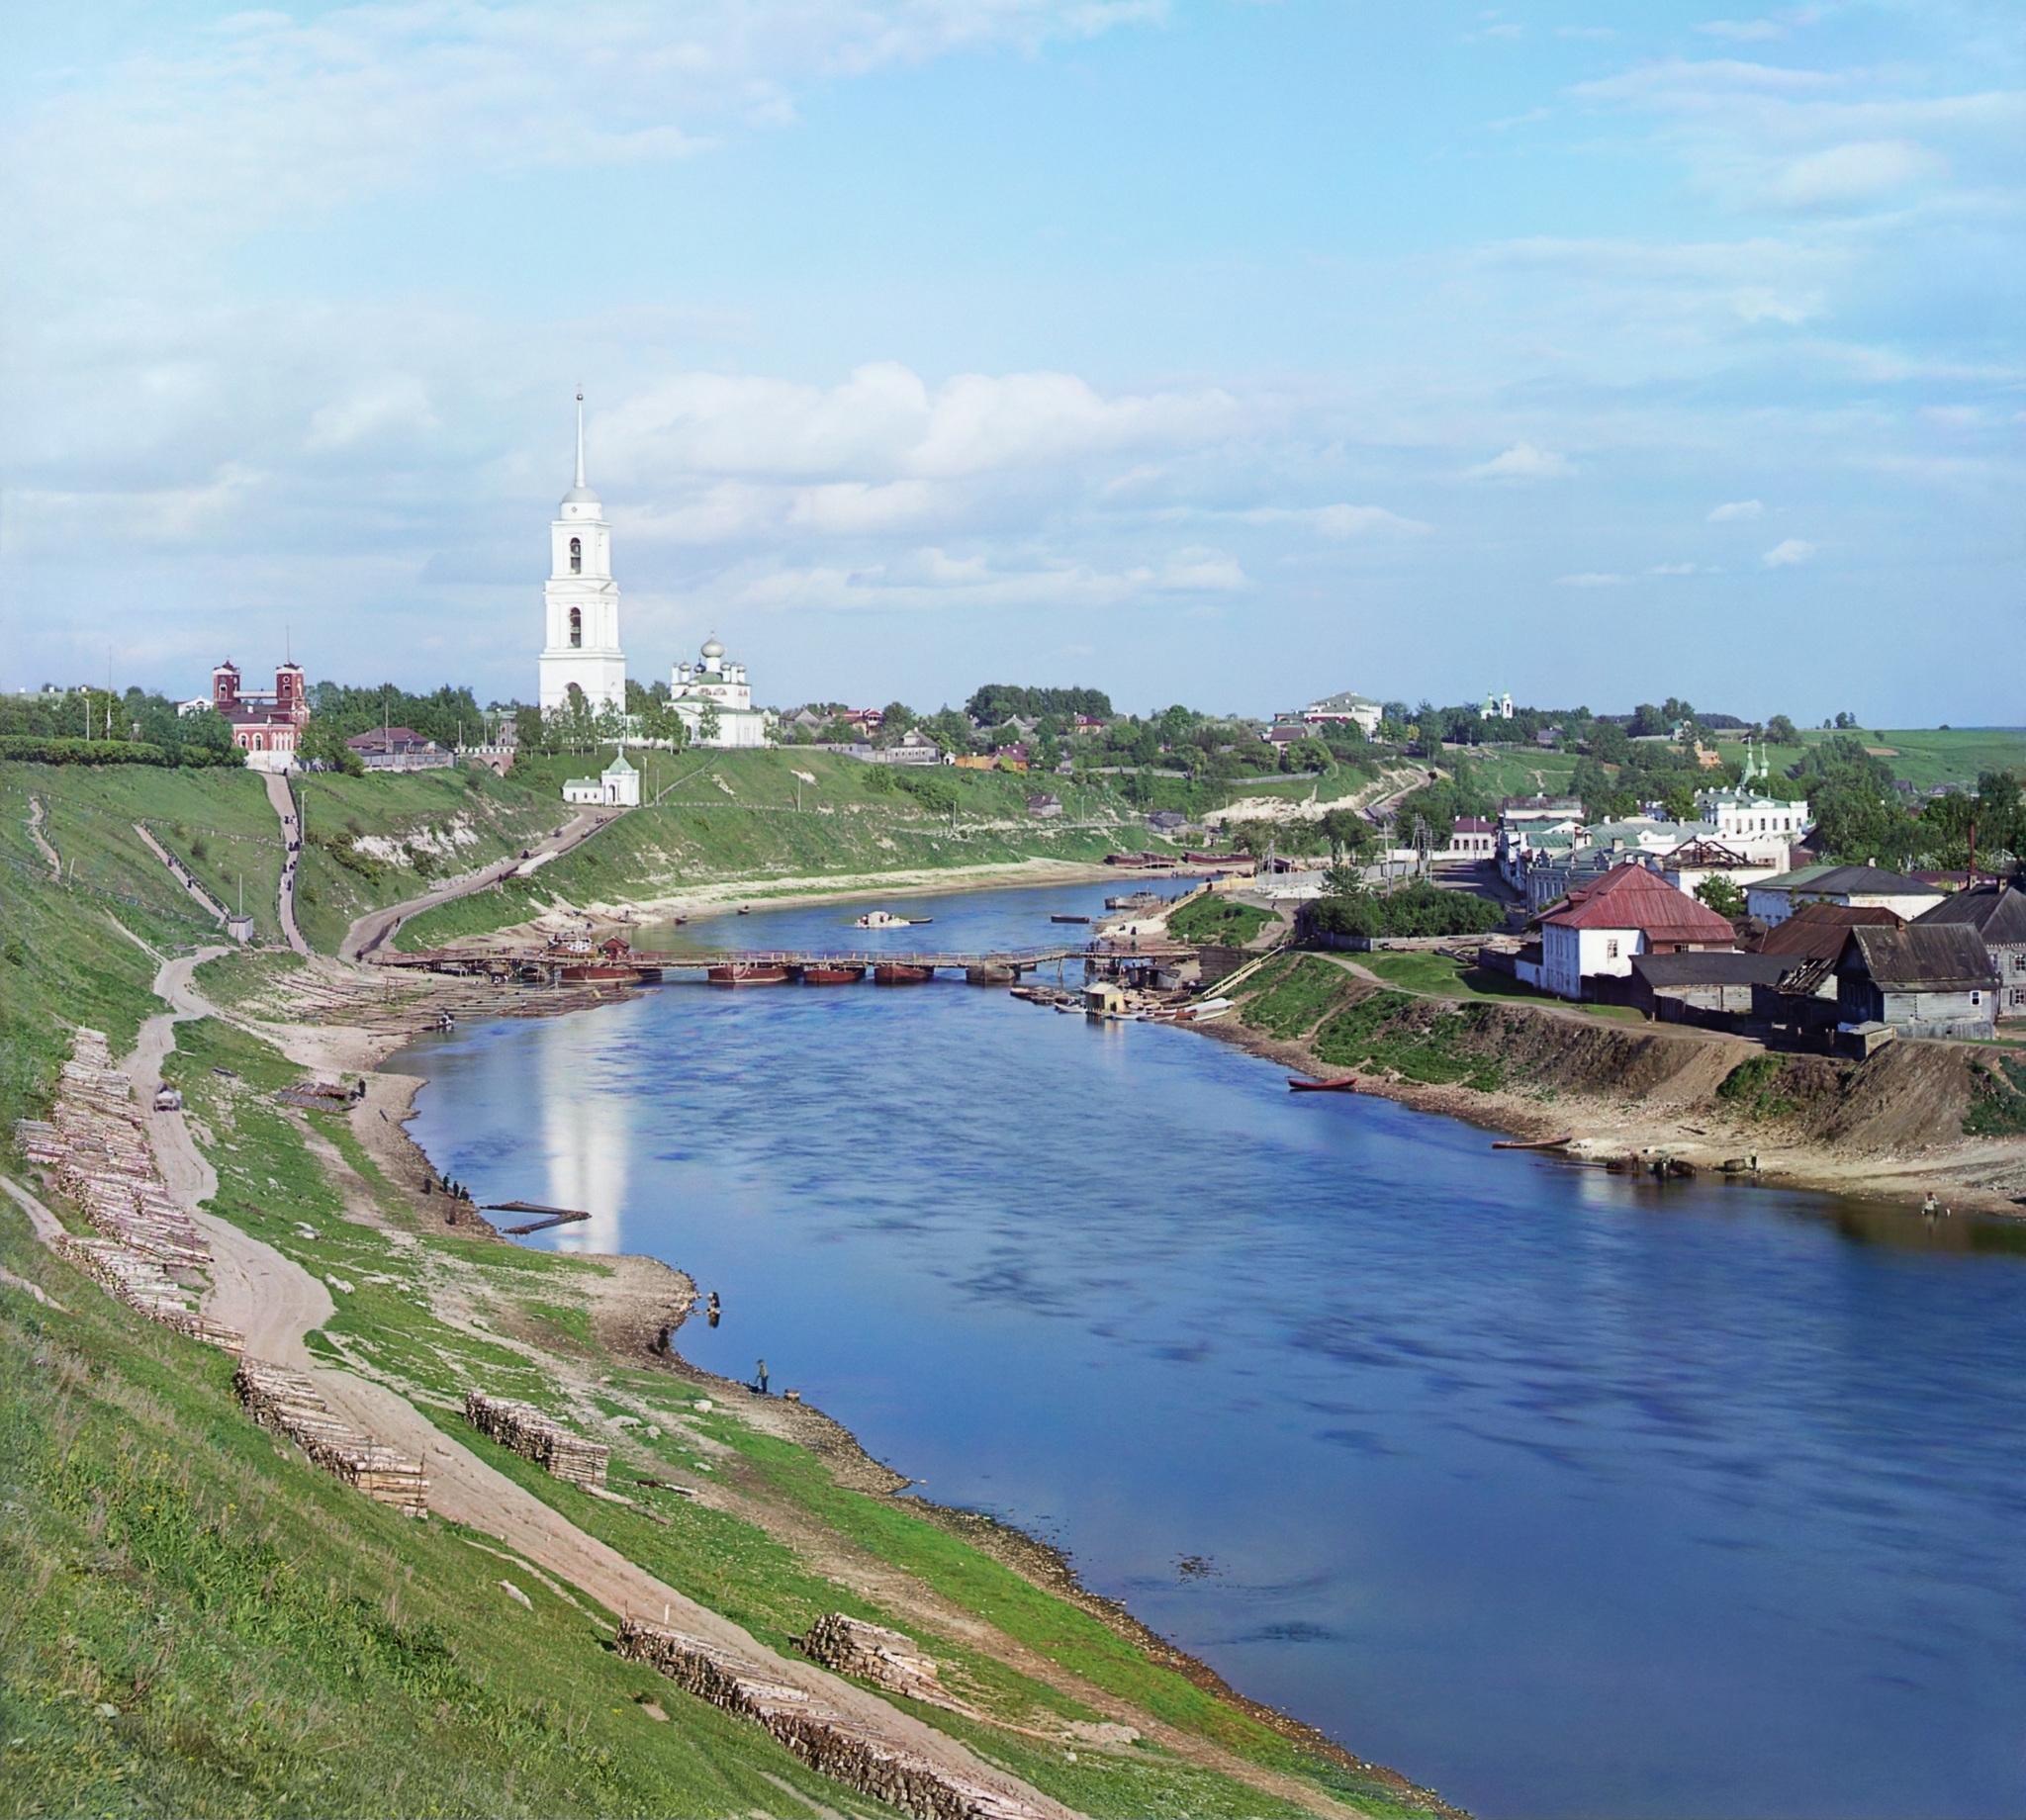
<point x="1927" y="757"/>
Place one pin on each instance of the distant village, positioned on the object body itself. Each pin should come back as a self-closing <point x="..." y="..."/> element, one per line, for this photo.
<point x="1686" y="873"/>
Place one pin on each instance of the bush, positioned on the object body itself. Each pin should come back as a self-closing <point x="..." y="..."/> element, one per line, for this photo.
<point x="32" y="750"/>
<point x="1423" y="909"/>
<point x="936" y="796"/>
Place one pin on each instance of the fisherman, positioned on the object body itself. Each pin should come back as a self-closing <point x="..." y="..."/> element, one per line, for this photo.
<point x="713" y="1307"/>
<point x="761" y="1368"/>
<point x="1931" y="1207"/>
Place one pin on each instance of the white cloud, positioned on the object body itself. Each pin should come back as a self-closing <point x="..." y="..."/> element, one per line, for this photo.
<point x="1589" y="578"/>
<point x="1338" y="524"/>
<point x="1735" y="509"/>
<point x="1525" y="462"/>
<point x="1787" y="555"/>
<point x="1856" y="173"/>
<point x="1682" y="569"/>
<point x="1742" y="30"/>
<point x="930" y="579"/>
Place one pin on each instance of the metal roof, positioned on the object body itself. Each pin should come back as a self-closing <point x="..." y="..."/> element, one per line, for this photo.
<point x="1818" y="929"/>
<point x="1997" y="912"/>
<point x="1844" y="880"/>
<point x="1941" y="957"/>
<point x="1711" y="969"/>
<point x="1629" y="896"/>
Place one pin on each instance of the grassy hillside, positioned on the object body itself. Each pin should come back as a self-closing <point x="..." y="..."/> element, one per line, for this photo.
<point x="752" y="815"/>
<point x="1927" y="756"/>
<point x="217" y="822"/>
<point x="376" y="840"/>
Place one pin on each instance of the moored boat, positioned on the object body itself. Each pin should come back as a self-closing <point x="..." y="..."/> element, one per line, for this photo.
<point x="832" y="976"/>
<point x="901" y="973"/>
<point x="748" y="973"/>
<point x="885" y="919"/>
<point x="1349" y="1084"/>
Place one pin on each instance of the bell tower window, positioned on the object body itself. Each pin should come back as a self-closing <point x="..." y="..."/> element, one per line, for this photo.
<point x="576" y="556"/>
<point x="576" y="627"/>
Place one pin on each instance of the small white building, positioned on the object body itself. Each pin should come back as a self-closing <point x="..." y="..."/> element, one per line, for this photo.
<point x="1745" y="815"/>
<point x="1346" y="708"/>
<point x="1867" y="888"/>
<point x="1628" y="911"/>
<point x="712" y="683"/>
<point x="618" y="788"/>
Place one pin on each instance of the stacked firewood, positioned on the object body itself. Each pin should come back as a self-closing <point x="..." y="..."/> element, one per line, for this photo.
<point x="146" y="1250"/>
<point x="825" y="1737"/>
<point x="286" y="1403"/>
<point x="522" y="1428"/>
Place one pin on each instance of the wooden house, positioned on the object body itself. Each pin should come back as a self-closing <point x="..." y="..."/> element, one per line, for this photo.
<point x="1935" y="980"/>
<point x="1997" y="912"/>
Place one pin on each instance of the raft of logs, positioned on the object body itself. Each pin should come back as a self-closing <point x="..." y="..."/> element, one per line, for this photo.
<point x="522" y="1428"/>
<point x="828" y="1740"/>
<point x="142" y="1247"/>
<point x="286" y="1403"/>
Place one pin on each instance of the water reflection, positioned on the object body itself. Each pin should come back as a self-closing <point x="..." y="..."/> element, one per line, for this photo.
<point x="1565" y="1491"/>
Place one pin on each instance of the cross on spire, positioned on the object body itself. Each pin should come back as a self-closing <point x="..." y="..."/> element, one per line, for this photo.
<point x="579" y="435"/>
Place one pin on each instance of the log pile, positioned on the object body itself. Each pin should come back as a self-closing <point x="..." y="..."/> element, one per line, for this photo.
<point x="872" y="1651"/>
<point x="95" y="1147"/>
<point x="286" y="1403"/>
<point x="828" y="1740"/>
<point x="522" y="1428"/>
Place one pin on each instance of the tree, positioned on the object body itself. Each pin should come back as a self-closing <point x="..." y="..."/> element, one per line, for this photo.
<point x="1609" y="742"/>
<point x="895" y="719"/>
<point x="1781" y="732"/>
<point x="708" y="722"/>
<point x="1679" y="804"/>
<point x="322" y="744"/>
<point x="1846" y="719"/>
<point x="1351" y="838"/>
<point x="1723" y="896"/>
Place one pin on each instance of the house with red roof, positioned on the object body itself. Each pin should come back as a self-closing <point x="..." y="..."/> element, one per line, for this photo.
<point x="1630" y="910"/>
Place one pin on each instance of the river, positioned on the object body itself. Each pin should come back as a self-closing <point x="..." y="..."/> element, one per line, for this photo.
<point x="1562" y="1494"/>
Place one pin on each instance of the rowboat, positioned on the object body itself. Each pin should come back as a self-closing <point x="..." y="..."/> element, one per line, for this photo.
<point x="1349" y="1084"/>
<point x="1539" y="1144"/>
<point x="748" y="973"/>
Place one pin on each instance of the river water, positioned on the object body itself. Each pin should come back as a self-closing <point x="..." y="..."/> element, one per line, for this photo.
<point x="1562" y="1494"/>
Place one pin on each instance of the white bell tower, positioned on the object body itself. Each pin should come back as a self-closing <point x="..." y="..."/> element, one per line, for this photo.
<point x="582" y="601"/>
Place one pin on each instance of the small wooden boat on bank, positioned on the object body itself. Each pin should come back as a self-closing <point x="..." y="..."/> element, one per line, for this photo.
<point x="1349" y="1084"/>
<point x="885" y="919"/>
<point x="1537" y="1143"/>
<point x="748" y="973"/>
<point x="901" y="973"/>
<point x="1069" y="919"/>
<point x="832" y="976"/>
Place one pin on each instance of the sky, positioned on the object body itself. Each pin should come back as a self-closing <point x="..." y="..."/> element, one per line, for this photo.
<point x="1198" y="350"/>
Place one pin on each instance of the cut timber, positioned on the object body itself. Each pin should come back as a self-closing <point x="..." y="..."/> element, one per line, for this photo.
<point x="828" y="1740"/>
<point x="522" y="1428"/>
<point x="286" y="1403"/>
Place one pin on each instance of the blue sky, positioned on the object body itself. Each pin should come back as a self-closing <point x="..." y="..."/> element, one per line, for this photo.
<point x="1195" y="349"/>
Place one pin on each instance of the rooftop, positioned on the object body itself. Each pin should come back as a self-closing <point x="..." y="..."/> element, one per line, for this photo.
<point x="1997" y="912"/>
<point x="1844" y="880"/>
<point x="1931" y="957"/>
<point x="1629" y="896"/>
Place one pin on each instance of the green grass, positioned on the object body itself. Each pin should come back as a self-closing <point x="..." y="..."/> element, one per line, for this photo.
<point x="439" y="823"/>
<point x="1211" y="919"/>
<point x="1419" y="1039"/>
<point x="64" y="961"/>
<point x="199" y="1623"/>
<point x="1926" y="755"/>
<point x="1519" y="773"/>
<point x="1998" y="1109"/>
<point x="217" y="822"/>
<point x="1298" y="996"/>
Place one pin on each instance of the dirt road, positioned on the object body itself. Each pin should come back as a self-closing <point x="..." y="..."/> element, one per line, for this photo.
<point x="284" y="801"/>
<point x="275" y="1301"/>
<point x="377" y="926"/>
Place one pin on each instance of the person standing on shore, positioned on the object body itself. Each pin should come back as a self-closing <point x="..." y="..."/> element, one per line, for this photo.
<point x="761" y="1368"/>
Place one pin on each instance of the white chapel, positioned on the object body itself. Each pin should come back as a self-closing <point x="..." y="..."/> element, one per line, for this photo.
<point x="582" y="601"/>
<point x="718" y="689"/>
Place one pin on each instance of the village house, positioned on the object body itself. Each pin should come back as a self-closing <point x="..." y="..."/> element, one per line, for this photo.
<point x="267" y="728"/>
<point x="1997" y="912"/>
<point x="1045" y="803"/>
<point x="1773" y="900"/>
<point x="1712" y="989"/>
<point x="1924" y="980"/>
<point x="1630" y="911"/>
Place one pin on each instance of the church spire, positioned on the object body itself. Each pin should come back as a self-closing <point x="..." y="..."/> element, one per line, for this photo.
<point x="580" y="436"/>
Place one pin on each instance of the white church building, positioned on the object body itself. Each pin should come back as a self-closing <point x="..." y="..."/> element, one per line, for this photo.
<point x="712" y="683"/>
<point x="582" y="601"/>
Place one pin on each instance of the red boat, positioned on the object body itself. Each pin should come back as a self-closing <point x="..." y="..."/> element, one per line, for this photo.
<point x="1349" y="1084"/>
<point x="832" y="976"/>
<point x="601" y="969"/>
<point x="748" y="973"/>
<point x="899" y="973"/>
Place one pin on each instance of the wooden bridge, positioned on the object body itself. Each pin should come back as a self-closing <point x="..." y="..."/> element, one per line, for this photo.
<point x="554" y="963"/>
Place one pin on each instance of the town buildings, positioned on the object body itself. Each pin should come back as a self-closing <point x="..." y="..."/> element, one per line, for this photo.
<point x="1342" y="710"/>
<point x="580" y="601"/>
<point x="399" y="749"/>
<point x="1998" y="913"/>
<point x="714" y="694"/>
<point x="1774" y="899"/>
<point x="267" y="728"/>
<point x="1630" y="911"/>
